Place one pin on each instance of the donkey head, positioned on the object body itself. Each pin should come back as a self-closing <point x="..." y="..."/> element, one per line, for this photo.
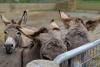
<point x="12" y="34"/>
<point x="12" y="37"/>
<point x="69" y="22"/>
<point x="14" y="31"/>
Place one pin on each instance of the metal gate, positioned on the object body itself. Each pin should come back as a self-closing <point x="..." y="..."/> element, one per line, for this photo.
<point x="87" y="55"/>
<point x="91" y="58"/>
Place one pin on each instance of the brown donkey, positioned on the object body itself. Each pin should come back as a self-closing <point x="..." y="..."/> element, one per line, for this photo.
<point x="77" y="34"/>
<point x="52" y="43"/>
<point x="20" y="47"/>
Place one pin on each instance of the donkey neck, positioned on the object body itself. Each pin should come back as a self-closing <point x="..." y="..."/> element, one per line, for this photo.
<point x="25" y="41"/>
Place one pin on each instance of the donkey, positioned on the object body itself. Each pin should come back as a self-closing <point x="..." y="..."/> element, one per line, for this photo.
<point x="77" y="34"/>
<point x="52" y="43"/>
<point x="20" y="47"/>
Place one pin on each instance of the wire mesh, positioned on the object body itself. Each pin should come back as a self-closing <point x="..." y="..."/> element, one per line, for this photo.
<point x="90" y="58"/>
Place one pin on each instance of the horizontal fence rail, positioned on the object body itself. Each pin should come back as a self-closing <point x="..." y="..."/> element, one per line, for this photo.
<point x="91" y="49"/>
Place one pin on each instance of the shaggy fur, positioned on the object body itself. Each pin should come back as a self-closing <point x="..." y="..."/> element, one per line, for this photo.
<point x="77" y="36"/>
<point x="52" y="45"/>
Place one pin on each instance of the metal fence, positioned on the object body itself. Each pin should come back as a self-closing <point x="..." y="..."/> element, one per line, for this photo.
<point x="87" y="55"/>
<point x="90" y="58"/>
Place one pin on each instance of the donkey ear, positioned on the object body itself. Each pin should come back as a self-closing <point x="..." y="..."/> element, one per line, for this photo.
<point x="33" y="32"/>
<point x="38" y="32"/>
<point x="91" y="24"/>
<point x="28" y="31"/>
<point x="5" y="21"/>
<point x="23" y="18"/>
<point x="64" y="17"/>
<point x="53" y="25"/>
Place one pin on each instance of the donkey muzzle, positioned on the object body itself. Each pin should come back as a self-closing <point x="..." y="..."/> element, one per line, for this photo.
<point x="8" y="48"/>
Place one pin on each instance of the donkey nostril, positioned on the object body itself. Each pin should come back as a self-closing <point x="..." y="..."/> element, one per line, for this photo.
<point x="4" y="45"/>
<point x="11" y="45"/>
<point x="8" y="45"/>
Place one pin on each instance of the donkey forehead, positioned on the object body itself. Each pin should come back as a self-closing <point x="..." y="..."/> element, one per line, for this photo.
<point x="11" y="30"/>
<point x="12" y="27"/>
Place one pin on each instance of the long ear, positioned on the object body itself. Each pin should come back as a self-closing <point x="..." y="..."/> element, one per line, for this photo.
<point x="53" y="25"/>
<point x="41" y="30"/>
<point x="91" y="24"/>
<point x="5" y="21"/>
<point x="23" y="18"/>
<point x="33" y="33"/>
<point x="28" y="31"/>
<point x="65" y="19"/>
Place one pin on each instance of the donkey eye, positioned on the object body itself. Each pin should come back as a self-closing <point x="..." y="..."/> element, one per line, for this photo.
<point x="18" y="33"/>
<point x="5" y="32"/>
